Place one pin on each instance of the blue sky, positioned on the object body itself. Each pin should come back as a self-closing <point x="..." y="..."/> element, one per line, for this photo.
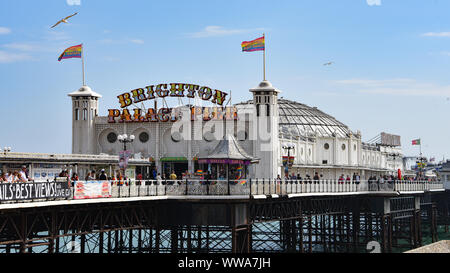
<point x="390" y="71"/>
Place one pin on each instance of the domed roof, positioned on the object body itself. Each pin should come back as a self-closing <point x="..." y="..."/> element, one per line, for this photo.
<point x="297" y="119"/>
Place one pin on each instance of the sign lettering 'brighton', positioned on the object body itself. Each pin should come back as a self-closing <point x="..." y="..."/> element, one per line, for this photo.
<point x="167" y="114"/>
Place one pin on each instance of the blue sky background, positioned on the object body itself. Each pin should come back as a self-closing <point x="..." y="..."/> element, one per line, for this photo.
<point x="390" y="72"/>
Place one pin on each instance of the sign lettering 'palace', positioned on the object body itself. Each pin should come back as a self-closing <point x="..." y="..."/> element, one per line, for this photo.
<point x="165" y="114"/>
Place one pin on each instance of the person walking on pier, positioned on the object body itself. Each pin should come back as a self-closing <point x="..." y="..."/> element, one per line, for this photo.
<point x="347" y="180"/>
<point x="23" y="174"/>
<point x="173" y="176"/>
<point x="102" y="175"/>
<point x="90" y="176"/>
<point x="341" y="179"/>
<point x="357" y="179"/>
<point x="158" y="179"/>
<point x="21" y="178"/>
<point x="3" y="178"/>
<point x="316" y="177"/>
<point x="9" y="177"/>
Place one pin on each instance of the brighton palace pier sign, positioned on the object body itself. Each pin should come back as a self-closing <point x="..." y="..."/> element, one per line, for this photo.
<point x="175" y="90"/>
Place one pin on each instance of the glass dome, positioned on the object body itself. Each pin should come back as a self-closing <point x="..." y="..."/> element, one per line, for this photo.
<point x="297" y="119"/>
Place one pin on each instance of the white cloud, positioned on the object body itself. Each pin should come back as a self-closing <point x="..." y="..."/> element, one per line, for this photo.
<point x="214" y="31"/>
<point x="121" y="41"/>
<point x="400" y="86"/>
<point x="4" y="30"/>
<point x="21" y="46"/>
<point x="73" y="2"/>
<point x="377" y="83"/>
<point x="111" y="59"/>
<point x="137" y="41"/>
<point x="436" y="34"/>
<point x="373" y="2"/>
<point x="8" y="57"/>
<point x="56" y="36"/>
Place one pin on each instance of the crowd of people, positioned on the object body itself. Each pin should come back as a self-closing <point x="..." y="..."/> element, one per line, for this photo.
<point x="356" y="178"/>
<point x="22" y="176"/>
<point x="15" y="176"/>
<point x="342" y="178"/>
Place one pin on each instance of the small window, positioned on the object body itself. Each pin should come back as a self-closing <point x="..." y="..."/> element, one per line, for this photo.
<point x="144" y="137"/>
<point x="343" y="147"/>
<point x="77" y="114"/>
<point x="354" y="147"/>
<point x="326" y="146"/>
<point x="176" y="137"/>
<point x="85" y="114"/>
<point x="324" y="162"/>
<point x="111" y="137"/>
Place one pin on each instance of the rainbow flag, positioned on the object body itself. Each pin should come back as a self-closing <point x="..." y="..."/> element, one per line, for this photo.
<point x="416" y="142"/>
<point x="71" y="52"/>
<point x="255" y="45"/>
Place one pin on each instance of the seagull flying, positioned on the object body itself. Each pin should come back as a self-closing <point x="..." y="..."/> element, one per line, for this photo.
<point x="64" y="20"/>
<point x="330" y="63"/>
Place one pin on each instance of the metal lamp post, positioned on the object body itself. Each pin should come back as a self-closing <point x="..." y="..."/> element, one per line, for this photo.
<point x="6" y="150"/>
<point x="288" y="147"/>
<point x="125" y="139"/>
<point x="394" y="155"/>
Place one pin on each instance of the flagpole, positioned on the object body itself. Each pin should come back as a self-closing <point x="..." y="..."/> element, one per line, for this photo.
<point x="264" y="58"/>
<point x="420" y="147"/>
<point x="82" y="63"/>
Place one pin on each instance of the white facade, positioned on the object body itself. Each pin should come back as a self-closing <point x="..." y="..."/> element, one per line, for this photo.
<point x="321" y="143"/>
<point x="444" y="173"/>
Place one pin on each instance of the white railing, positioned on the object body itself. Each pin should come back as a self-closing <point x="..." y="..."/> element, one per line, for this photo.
<point x="248" y="187"/>
<point x="264" y="187"/>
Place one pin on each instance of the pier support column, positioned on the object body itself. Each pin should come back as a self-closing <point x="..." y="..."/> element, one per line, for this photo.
<point x="174" y="240"/>
<point x="240" y="239"/>
<point x="386" y="227"/>
<point x="300" y="233"/>
<point x="415" y="224"/>
<point x="386" y="233"/>
<point x="356" y="214"/>
<point x="434" y="236"/>
<point x="23" y="231"/>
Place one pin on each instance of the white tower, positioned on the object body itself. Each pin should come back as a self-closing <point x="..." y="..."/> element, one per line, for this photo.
<point x="84" y="110"/>
<point x="267" y="149"/>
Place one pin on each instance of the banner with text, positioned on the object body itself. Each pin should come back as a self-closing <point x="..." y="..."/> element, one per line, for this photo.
<point x="92" y="189"/>
<point x="37" y="190"/>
